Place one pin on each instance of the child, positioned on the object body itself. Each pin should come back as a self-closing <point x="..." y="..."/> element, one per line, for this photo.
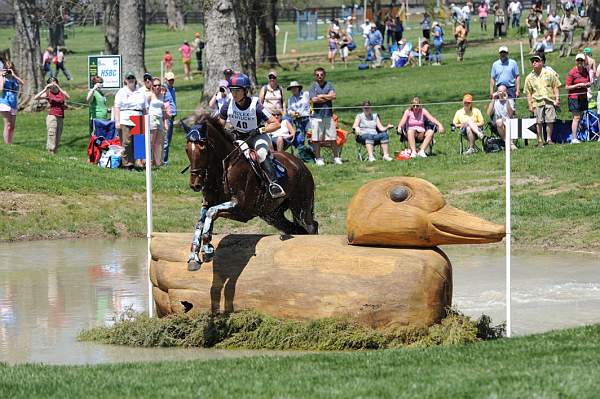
<point x="168" y="61"/>
<point x="186" y="56"/>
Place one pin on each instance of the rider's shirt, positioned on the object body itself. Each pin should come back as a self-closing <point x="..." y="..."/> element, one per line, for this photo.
<point x="247" y="117"/>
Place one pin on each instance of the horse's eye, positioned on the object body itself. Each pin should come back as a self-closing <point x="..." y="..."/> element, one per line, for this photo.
<point x="400" y="193"/>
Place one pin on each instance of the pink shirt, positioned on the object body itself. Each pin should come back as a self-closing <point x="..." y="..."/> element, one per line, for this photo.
<point x="186" y="51"/>
<point x="415" y="119"/>
<point x="483" y="11"/>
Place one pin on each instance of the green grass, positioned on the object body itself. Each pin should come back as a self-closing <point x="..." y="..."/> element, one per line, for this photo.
<point x="562" y="364"/>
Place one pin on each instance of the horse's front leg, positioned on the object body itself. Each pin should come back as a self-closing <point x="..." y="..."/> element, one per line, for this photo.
<point x="194" y="262"/>
<point x="208" y="251"/>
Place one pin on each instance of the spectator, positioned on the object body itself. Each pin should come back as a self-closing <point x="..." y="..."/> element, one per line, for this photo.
<point x="401" y="56"/>
<point x="334" y="27"/>
<point x="541" y="87"/>
<point x="505" y="71"/>
<point x="365" y="28"/>
<point x="438" y="42"/>
<point x="10" y="85"/>
<point x="157" y="112"/>
<point x="321" y="94"/>
<point x="538" y="7"/>
<point x="466" y="12"/>
<point x="168" y="61"/>
<point x="271" y="94"/>
<point x="399" y="25"/>
<point x="186" y="58"/>
<point x="298" y="108"/>
<point x="217" y="101"/>
<point x="369" y="130"/>
<point x="375" y="42"/>
<point x="590" y="63"/>
<point x="56" y="98"/>
<point x="456" y="13"/>
<point x="533" y="27"/>
<point x="577" y="83"/>
<point x="500" y="110"/>
<point x="552" y="25"/>
<point x="499" y="20"/>
<point x="470" y="122"/>
<point x="460" y="34"/>
<point x="389" y="30"/>
<point x="568" y="23"/>
<point x="198" y="46"/>
<point x="426" y="26"/>
<point x="514" y="9"/>
<point x="350" y="26"/>
<point x="417" y="123"/>
<point x="60" y="63"/>
<point x="130" y="101"/>
<point x="482" y="11"/>
<point x="332" y="48"/>
<point x="147" y="88"/>
<point x="97" y="101"/>
<point x="344" y="42"/>
<point x="47" y="62"/>
<point x="227" y="74"/>
<point x="284" y="136"/>
<point x="171" y="98"/>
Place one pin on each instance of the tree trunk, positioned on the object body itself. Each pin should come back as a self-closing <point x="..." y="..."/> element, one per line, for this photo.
<point x="174" y="15"/>
<point x="27" y="56"/>
<point x="111" y="26"/>
<point x="592" y="28"/>
<point x="132" y="29"/>
<point x="56" y="33"/>
<point x="230" y="34"/>
<point x="267" y="18"/>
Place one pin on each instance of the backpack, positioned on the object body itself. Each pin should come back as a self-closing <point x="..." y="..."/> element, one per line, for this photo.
<point x="493" y="144"/>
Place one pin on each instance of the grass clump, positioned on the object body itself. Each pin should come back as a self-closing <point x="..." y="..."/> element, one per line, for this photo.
<point x="255" y="330"/>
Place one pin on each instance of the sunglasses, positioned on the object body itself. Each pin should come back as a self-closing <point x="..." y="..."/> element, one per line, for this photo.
<point x="272" y="77"/>
<point x="156" y="85"/>
<point x="319" y="75"/>
<point x="416" y="106"/>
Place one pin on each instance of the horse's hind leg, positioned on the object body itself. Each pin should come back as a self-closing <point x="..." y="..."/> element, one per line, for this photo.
<point x="280" y="222"/>
<point x="304" y="217"/>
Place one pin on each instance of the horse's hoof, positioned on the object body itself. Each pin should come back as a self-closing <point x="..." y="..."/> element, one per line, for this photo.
<point x="194" y="265"/>
<point x="208" y="252"/>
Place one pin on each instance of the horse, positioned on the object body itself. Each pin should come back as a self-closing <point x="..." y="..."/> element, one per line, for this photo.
<point x="233" y="187"/>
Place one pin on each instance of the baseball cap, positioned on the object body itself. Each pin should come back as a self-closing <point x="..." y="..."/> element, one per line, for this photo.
<point x="272" y="73"/>
<point x="580" y="56"/>
<point x="503" y="49"/>
<point x="535" y="57"/>
<point x="129" y="74"/>
<point x="228" y="71"/>
<point x="467" y="98"/>
<point x="587" y="50"/>
<point x="147" y="76"/>
<point x="169" y="76"/>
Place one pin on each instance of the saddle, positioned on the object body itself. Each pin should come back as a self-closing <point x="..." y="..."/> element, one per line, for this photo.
<point x="252" y="157"/>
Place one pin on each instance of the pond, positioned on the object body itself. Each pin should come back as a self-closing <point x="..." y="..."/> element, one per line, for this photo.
<point x="51" y="290"/>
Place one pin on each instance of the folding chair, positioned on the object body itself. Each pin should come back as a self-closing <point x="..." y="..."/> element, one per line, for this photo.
<point x="589" y="127"/>
<point x="361" y="148"/>
<point x="402" y="135"/>
<point x="462" y="136"/>
<point x="102" y="128"/>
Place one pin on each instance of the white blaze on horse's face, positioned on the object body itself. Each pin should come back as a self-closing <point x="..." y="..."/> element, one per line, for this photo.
<point x="198" y="165"/>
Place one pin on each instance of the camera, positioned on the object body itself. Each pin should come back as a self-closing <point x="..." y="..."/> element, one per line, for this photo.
<point x="222" y="90"/>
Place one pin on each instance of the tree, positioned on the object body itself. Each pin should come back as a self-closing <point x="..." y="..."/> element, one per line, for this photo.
<point x="27" y="56"/>
<point x="111" y="26"/>
<point x="267" y="18"/>
<point x="592" y="28"/>
<point x="174" y="15"/>
<point x="230" y="34"/>
<point x="132" y="35"/>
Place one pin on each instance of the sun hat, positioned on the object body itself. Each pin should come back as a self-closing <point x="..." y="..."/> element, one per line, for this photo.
<point x="503" y="49"/>
<point x="580" y="56"/>
<point x="294" y="84"/>
<point x="535" y="57"/>
<point x="467" y="98"/>
<point x="169" y="76"/>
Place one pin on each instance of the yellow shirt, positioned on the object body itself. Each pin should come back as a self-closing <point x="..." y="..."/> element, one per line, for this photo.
<point x="541" y="87"/>
<point x="461" y="117"/>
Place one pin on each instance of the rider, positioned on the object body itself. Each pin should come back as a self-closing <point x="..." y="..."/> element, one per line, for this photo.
<point x="245" y="114"/>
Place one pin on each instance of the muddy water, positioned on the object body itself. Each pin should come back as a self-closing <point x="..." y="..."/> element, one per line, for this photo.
<point x="51" y="290"/>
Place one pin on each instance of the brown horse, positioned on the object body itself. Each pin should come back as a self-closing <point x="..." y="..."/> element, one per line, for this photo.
<point x="233" y="187"/>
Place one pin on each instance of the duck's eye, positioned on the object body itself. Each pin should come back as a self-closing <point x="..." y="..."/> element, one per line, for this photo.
<point x="399" y="193"/>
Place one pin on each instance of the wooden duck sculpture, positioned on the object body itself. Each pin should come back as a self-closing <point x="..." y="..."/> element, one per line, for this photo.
<point x="392" y="274"/>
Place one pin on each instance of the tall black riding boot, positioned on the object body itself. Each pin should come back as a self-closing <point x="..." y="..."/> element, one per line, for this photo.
<point x="275" y="189"/>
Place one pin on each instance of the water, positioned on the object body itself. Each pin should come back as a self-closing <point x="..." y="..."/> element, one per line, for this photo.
<point x="51" y="290"/>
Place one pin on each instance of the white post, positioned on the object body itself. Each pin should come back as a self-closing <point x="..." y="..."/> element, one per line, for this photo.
<point x="146" y="120"/>
<point x="522" y="62"/>
<point x="364" y="11"/>
<point x="285" y="42"/>
<point x="508" y="237"/>
<point x="419" y="48"/>
<point x="162" y="71"/>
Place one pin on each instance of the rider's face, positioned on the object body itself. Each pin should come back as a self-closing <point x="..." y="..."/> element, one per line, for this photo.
<point x="238" y="94"/>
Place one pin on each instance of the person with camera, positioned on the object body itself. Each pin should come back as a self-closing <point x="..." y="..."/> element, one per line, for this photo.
<point x="10" y="85"/>
<point x="219" y="99"/>
<point x="500" y="110"/>
<point x="577" y="83"/>
<point x="56" y="98"/>
<point x="97" y="101"/>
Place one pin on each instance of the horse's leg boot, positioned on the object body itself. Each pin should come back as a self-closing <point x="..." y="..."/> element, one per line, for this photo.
<point x="275" y="189"/>
<point x="194" y="263"/>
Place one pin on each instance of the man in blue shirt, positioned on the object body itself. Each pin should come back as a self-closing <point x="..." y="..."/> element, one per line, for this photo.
<point x="375" y="41"/>
<point x="505" y="72"/>
<point x="321" y="94"/>
<point x="172" y="99"/>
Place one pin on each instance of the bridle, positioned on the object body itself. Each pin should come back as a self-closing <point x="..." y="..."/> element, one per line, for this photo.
<point x="198" y="136"/>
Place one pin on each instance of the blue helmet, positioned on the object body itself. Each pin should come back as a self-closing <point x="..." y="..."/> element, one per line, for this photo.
<point x="239" y="80"/>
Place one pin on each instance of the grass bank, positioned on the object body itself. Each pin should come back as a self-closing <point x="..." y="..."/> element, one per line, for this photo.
<point x="561" y="364"/>
<point x="556" y="191"/>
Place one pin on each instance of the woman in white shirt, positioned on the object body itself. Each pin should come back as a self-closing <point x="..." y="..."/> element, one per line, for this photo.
<point x="284" y="136"/>
<point x="129" y="101"/>
<point x="157" y="111"/>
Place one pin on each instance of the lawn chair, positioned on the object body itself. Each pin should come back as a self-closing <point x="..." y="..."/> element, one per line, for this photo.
<point x="361" y="148"/>
<point x="488" y="130"/>
<point x="404" y="138"/>
<point x="589" y="127"/>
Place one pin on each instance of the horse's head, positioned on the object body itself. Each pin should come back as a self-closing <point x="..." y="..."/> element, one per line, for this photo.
<point x="197" y="149"/>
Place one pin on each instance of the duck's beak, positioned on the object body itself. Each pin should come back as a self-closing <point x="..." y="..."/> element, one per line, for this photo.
<point x="453" y="226"/>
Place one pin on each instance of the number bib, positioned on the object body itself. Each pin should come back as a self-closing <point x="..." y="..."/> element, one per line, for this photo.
<point x="243" y="120"/>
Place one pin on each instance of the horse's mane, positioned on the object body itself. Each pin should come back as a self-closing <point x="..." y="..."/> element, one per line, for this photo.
<point x="213" y="121"/>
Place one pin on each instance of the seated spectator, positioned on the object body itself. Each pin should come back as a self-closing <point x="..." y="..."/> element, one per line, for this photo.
<point x="423" y="51"/>
<point x="284" y="136"/>
<point x="417" y="124"/>
<point x="402" y="55"/>
<point x="369" y="130"/>
<point x="470" y="122"/>
<point x="500" y="111"/>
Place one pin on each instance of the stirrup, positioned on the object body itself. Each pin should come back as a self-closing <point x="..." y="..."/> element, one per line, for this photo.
<point x="276" y="190"/>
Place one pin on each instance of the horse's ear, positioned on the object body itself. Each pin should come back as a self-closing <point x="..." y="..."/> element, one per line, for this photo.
<point x="184" y="126"/>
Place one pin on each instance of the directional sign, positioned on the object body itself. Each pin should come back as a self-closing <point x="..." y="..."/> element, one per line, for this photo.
<point x="522" y="129"/>
<point x="108" y="67"/>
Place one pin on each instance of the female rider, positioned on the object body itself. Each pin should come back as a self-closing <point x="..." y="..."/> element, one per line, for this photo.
<point x="245" y="114"/>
